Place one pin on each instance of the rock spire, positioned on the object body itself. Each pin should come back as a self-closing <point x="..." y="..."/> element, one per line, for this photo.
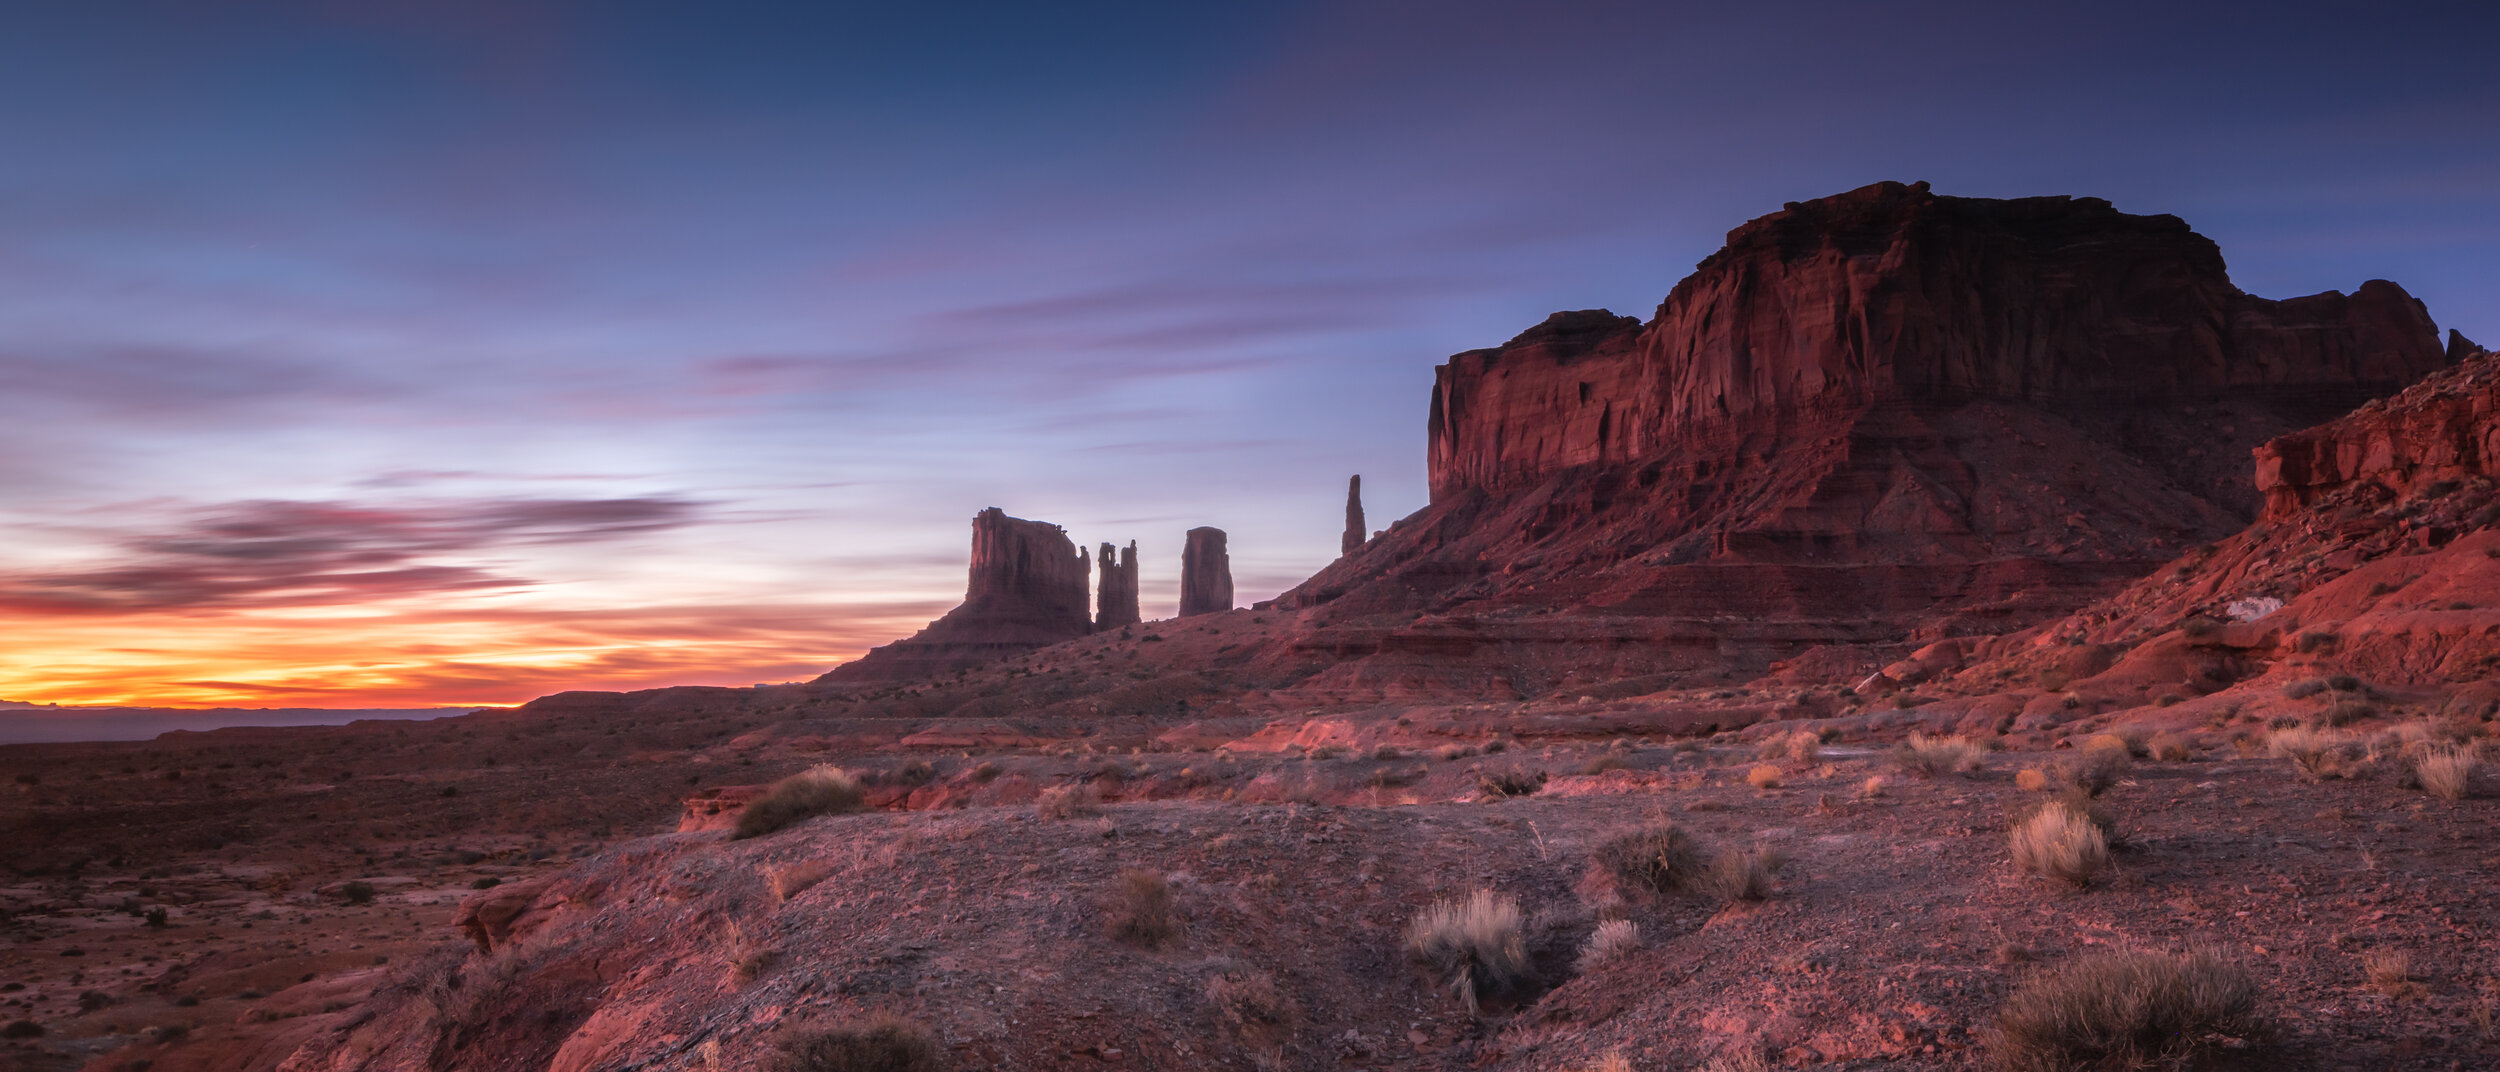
<point x="1118" y="604"/>
<point x="1026" y="590"/>
<point x="1354" y="530"/>
<point x="1206" y="573"/>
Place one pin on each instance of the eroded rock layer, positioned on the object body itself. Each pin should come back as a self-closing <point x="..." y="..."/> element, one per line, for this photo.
<point x="1026" y="591"/>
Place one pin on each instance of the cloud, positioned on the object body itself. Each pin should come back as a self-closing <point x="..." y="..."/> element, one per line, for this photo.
<point x="279" y="553"/>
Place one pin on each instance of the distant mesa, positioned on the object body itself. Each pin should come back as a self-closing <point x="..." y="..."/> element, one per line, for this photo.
<point x="1206" y="574"/>
<point x="1027" y="591"/>
<point x="1879" y="417"/>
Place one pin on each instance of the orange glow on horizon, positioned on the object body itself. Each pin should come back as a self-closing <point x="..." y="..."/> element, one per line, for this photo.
<point x="404" y="656"/>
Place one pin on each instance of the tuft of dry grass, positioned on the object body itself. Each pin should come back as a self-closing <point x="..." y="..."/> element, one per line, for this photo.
<point x="1511" y="782"/>
<point x="2095" y="767"/>
<point x="2030" y="781"/>
<point x="1873" y="786"/>
<point x="1613" y="939"/>
<point x="1798" y="746"/>
<point x="1613" y="1061"/>
<point x="1253" y="1006"/>
<point x="2319" y="753"/>
<point x="793" y="880"/>
<point x="1764" y="776"/>
<point x="2061" y="842"/>
<point x="1660" y="858"/>
<point x="1068" y="801"/>
<point x="2128" y="1011"/>
<point x="1739" y="875"/>
<point x="882" y="1043"/>
<point x="1928" y="756"/>
<point x="2169" y="748"/>
<point x="2446" y="773"/>
<point x="2390" y="972"/>
<point x="1475" y="945"/>
<point x="818" y="790"/>
<point x="1141" y="910"/>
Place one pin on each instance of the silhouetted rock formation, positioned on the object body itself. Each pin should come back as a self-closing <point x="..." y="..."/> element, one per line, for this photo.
<point x="1118" y="605"/>
<point x="1881" y="416"/>
<point x="1355" y="534"/>
<point x="1206" y="573"/>
<point x="1027" y="590"/>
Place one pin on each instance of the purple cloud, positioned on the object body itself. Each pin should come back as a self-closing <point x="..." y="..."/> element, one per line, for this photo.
<point x="289" y="553"/>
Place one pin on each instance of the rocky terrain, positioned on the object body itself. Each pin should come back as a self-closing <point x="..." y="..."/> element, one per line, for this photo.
<point x="1908" y="520"/>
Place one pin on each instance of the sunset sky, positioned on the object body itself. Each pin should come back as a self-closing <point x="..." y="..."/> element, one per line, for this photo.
<point x="363" y="354"/>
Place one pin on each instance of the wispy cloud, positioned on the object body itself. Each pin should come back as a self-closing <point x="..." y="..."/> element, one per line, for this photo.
<point x="273" y="553"/>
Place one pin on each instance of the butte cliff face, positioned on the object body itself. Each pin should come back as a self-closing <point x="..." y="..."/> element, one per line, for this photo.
<point x="1027" y="591"/>
<point x="1206" y="573"/>
<point x="1879" y="417"/>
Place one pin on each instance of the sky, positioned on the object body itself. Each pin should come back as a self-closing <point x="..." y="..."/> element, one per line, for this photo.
<point x="414" y="352"/>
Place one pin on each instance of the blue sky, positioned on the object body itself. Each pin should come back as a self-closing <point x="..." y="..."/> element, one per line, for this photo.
<point x="347" y="288"/>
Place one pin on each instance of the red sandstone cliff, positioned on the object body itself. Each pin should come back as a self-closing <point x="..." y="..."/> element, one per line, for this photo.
<point x="1879" y="418"/>
<point x="1892" y="292"/>
<point x="1026" y="591"/>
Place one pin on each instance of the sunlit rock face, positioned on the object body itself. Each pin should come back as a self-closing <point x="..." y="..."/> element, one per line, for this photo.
<point x="1027" y="590"/>
<point x="1881" y="417"/>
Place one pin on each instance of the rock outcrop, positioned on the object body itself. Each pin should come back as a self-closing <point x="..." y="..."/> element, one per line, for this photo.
<point x="1206" y="573"/>
<point x="1117" y="604"/>
<point x="1355" y="533"/>
<point x="2439" y="430"/>
<point x="1876" y="420"/>
<point x="1027" y="591"/>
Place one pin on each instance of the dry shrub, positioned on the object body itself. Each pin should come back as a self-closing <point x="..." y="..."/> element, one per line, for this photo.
<point x="2302" y="690"/>
<point x="1251" y="1005"/>
<point x="2030" y="781"/>
<point x="791" y="881"/>
<point x="2128" y="1011"/>
<point x="1612" y="940"/>
<point x="1928" y="756"/>
<point x="2317" y="752"/>
<point x="1873" y="786"/>
<point x="1738" y="875"/>
<point x="2095" y="767"/>
<point x="1068" y="801"/>
<point x="1765" y="776"/>
<point x="1475" y="945"/>
<point x="2169" y="748"/>
<point x="2391" y="973"/>
<point x="1797" y="746"/>
<point x="882" y="1043"/>
<point x="1513" y="782"/>
<point x="1606" y="761"/>
<point x="1613" y="1061"/>
<point x="2060" y="842"/>
<point x="2447" y="773"/>
<point x="1453" y="752"/>
<point x="2120" y="741"/>
<point x="1141" y="911"/>
<point x="1660" y="858"/>
<point x="2347" y="712"/>
<point x="818" y="790"/>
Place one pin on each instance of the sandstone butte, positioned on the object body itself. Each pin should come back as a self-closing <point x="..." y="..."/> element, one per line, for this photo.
<point x="2029" y="471"/>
